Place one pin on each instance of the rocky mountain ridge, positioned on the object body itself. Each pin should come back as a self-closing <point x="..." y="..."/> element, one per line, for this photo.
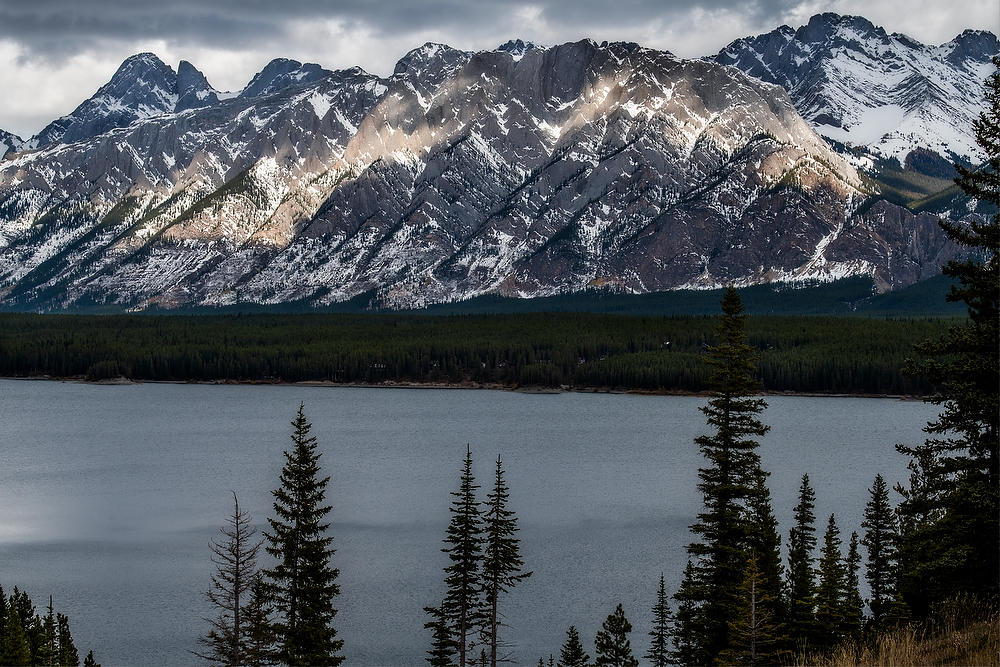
<point x="522" y="171"/>
<point x="886" y="94"/>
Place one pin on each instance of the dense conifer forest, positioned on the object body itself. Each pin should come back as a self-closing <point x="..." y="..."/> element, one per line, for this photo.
<point x="576" y="350"/>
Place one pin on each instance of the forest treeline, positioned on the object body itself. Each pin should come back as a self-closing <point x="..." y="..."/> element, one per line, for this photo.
<point x="579" y="350"/>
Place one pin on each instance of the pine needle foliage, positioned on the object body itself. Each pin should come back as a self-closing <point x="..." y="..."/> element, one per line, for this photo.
<point x="463" y="576"/>
<point x="730" y="484"/>
<point x="611" y="645"/>
<point x="955" y="547"/>
<point x="659" y="644"/>
<point x="801" y="570"/>
<point x="572" y="654"/>
<point x="302" y="583"/>
<point x="830" y="591"/>
<point x="880" y="542"/>
<point x="502" y="567"/>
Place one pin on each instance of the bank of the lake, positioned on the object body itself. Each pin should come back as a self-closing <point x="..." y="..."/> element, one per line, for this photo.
<point x="112" y="493"/>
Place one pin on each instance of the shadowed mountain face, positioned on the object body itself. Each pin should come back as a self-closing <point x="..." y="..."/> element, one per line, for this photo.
<point x="522" y="171"/>
<point x="885" y="93"/>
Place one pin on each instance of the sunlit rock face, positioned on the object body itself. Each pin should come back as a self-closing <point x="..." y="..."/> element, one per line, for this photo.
<point x="523" y="171"/>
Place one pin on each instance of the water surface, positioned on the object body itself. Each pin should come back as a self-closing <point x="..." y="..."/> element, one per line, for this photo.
<point x="111" y="494"/>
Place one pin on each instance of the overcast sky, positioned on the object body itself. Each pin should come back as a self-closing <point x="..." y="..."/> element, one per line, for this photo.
<point x="56" y="53"/>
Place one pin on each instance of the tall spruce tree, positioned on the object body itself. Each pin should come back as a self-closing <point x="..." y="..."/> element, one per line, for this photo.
<point x="611" y="645"/>
<point x="572" y="654"/>
<point x="801" y="570"/>
<point x="464" y="540"/>
<point x="302" y="583"/>
<point x="234" y="556"/>
<point x="502" y="565"/>
<point x="15" y="650"/>
<point x="830" y="591"/>
<point x="729" y="485"/>
<point x="880" y="542"/>
<point x="854" y="607"/>
<point x="956" y="548"/>
<point x="659" y="636"/>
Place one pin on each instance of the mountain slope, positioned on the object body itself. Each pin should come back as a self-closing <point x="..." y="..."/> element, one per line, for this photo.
<point x="522" y="171"/>
<point x="862" y="87"/>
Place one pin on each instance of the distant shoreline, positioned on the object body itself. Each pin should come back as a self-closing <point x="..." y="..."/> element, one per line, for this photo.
<point x="491" y="386"/>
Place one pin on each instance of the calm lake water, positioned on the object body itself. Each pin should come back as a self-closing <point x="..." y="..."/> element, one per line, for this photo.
<point x="109" y="496"/>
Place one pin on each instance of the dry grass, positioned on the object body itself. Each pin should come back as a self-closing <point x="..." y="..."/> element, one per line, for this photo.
<point x="962" y="633"/>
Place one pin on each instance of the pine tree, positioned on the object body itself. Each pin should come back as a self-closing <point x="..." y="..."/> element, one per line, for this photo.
<point x="659" y="647"/>
<point x="443" y="646"/>
<point x="728" y="485"/>
<point x="47" y="652"/>
<point x="235" y="560"/>
<point x="956" y="549"/>
<point x="611" y="645"/>
<point x="89" y="661"/>
<point x="502" y="563"/>
<point x="830" y="591"/>
<point x="854" y="607"/>
<point x="15" y="650"/>
<point x="302" y="583"/>
<point x="572" y="654"/>
<point x="754" y="633"/>
<point x="464" y="541"/>
<point x="687" y="620"/>
<point x="256" y="626"/>
<point x="765" y="543"/>
<point x="880" y="541"/>
<point x="801" y="571"/>
<point x="68" y="655"/>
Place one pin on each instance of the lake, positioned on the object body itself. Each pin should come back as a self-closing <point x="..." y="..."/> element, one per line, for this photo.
<point x="111" y="494"/>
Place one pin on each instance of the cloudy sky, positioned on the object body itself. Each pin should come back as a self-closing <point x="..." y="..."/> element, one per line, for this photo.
<point x="56" y="53"/>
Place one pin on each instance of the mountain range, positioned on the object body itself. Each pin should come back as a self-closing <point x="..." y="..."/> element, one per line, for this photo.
<point x="522" y="171"/>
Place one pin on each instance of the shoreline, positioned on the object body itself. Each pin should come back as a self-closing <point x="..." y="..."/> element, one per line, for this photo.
<point x="490" y="386"/>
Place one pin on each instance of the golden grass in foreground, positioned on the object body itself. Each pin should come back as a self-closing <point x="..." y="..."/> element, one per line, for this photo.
<point x="958" y="637"/>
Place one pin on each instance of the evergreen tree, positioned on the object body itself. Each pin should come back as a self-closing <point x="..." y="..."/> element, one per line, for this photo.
<point x="765" y="543"/>
<point x="801" y="571"/>
<point x="443" y="646"/>
<point x="687" y="620"/>
<point x="880" y="542"/>
<point x="854" y="607"/>
<point x="47" y="652"/>
<point x="659" y="648"/>
<point x="15" y="650"/>
<point x="611" y="645"/>
<point x="235" y="560"/>
<point x="68" y="656"/>
<point x="256" y="626"/>
<point x="830" y="591"/>
<point x="302" y="583"/>
<point x="89" y="661"/>
<point x="502" y="563"/>
<point x="754" y="634"/>
<point x="464" y="541"/>
<point x="728" y="484"/>
<point x="956" y="549"/>
<point x="572" y="654"/>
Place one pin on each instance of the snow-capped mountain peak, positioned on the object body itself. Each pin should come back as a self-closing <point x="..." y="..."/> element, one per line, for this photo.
<point x="884" y="93"/>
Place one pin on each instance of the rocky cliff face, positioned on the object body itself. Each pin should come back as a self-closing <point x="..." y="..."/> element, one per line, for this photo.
<point x="886" y="93"/>
<point x="521" y="171"/>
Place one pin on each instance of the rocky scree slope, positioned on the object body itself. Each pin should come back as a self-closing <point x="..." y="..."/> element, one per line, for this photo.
<point x="522" y="171"/>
